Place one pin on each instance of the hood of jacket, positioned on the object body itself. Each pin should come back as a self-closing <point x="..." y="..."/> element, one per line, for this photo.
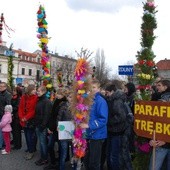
<point x="118" y="94"/>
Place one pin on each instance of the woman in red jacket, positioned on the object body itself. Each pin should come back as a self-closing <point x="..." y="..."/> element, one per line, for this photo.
<point x="26" y="115"/>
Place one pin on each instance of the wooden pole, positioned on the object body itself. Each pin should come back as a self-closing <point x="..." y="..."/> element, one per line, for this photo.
<point x="153" y="153"/>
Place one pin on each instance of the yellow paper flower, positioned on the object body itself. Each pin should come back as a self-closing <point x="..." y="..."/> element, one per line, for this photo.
<point x="80" y="82"/>
<point x="81" y="91"/>
<point x="44" y="40"/>
<point x="49" y="86"/>
<point x="45" y="26"/>
<point x="145" y="76"/>
<point x="48" y="75"/>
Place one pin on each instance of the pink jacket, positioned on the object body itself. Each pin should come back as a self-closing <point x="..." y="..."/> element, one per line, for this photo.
<point x="5" y="122"/>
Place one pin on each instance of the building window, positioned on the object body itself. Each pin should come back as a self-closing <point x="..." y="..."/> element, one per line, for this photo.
<point x="38" y="60"/>
<point x="38" y="75"/>
<point x="30" y="72"/>
<point x="23" y="71"/>
<point x="0" y="68"/>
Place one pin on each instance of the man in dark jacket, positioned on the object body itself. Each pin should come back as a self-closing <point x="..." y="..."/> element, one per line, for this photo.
<point x="162" y="148"/>
<point x="42" y="115"/>
<point x="116" y="125"/>
<point x="5" y="99"/>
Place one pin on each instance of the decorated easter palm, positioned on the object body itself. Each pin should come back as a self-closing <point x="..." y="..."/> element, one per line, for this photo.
<point x="82" y="100"/>
<point x="146" y="76"/>
<point x="9" y="53"/>
<point x="43" y="37"/>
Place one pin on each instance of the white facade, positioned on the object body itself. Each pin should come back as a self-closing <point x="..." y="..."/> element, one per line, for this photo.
<point x="28" y="69"/>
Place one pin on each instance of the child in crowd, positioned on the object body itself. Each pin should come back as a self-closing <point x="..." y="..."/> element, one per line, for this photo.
<point x="5" y="125"/>
<point x="64" y="114"/>
<point x="96" y="129"/>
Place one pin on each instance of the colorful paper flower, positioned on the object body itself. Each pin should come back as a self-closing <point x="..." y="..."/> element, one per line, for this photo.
<point x="43" y="38"/>
<point x="81" y="105"/>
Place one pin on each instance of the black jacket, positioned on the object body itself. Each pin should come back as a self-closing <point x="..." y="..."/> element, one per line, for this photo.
<point x="5" y="99"/>
<point x="55" y="109"/>
<point x="64" y="113"/>
<point x="130" y="101"/>
<point x="165" y="96"/>
<point x="43" y="112"/>
<point x="15" y="104"/>
<point x="117" y="113"/>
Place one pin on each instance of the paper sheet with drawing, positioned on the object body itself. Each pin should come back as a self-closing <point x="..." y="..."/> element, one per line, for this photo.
<point x="65" y="129"/>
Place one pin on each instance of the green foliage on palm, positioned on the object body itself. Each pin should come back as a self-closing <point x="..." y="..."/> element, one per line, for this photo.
<point x="145" y="78"/>
<point x="146" y="56"/>
<point x="10" y="69"/>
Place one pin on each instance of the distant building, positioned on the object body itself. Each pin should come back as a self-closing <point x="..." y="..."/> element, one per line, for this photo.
<point x="28" y="68"/>
<point x="163" y="67"/>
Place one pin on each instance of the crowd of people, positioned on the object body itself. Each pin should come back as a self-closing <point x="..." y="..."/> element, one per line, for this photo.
<point x="110" y="137"/>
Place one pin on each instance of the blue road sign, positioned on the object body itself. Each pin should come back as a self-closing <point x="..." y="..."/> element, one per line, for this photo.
<point x="126" y="70"/>
<point x="9" y="53"/>
<point x="19" y="80"/>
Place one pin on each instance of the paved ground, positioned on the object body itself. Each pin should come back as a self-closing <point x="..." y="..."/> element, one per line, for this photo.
<point x="15" y="161"/>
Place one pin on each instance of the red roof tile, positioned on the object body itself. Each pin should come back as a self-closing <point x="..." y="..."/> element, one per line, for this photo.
<point x="163" y="64"/>
<point x="27" y="54"/>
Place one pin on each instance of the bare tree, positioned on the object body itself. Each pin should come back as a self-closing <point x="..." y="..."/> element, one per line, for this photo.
<point x="102" y="70"/>
<point x="67" y="69"/>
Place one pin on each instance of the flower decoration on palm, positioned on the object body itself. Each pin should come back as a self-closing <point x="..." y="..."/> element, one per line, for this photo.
<point x="9" y="52"/>
<point x="146" y="75"/>
<point x="43" y="37"/>
<point x="145" y="56"/>
<point x="82" y="101"/>
<point x="10" y="55"/>
<point x="4" y="25"/>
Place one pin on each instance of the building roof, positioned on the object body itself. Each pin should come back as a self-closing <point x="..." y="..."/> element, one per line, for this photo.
<point x="3" y="49"/>
<point x="27" y="54"/>
<point x="163" y="64"/>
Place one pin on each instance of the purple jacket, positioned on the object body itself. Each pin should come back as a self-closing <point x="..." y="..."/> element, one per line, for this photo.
<point x="5" y="122"/>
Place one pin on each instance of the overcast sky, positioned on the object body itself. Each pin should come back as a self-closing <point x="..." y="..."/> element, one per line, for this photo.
<point x="113" y="25"/>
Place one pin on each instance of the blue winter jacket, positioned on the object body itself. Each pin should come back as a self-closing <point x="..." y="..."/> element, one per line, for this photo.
<point x="98" y="119"/>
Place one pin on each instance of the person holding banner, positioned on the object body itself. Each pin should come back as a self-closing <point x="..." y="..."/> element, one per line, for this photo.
<point x="162" y="148"/>
<point x="155" y="94"/>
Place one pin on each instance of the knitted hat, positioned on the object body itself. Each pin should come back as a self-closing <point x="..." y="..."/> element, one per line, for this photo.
<point x="8" y="108"/>
<point x="131" y="88"/>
